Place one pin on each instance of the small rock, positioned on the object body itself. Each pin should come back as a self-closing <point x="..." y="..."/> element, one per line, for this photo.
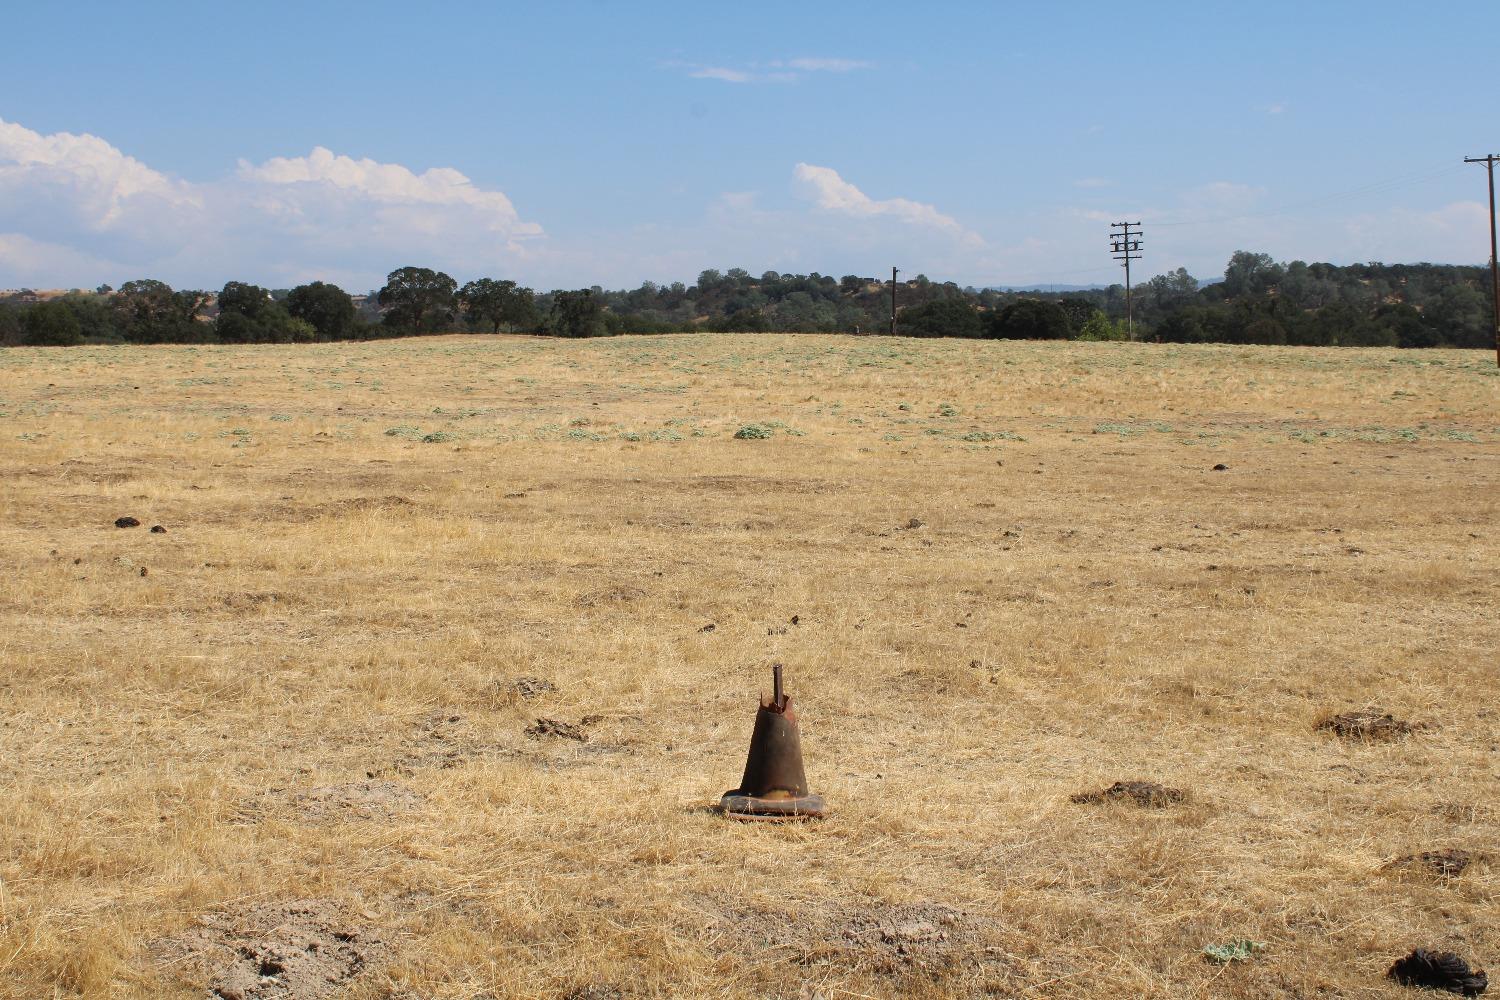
<point x="143" y="571"/>
<point x="1221" y="467"/>
<point x="708" y="628"/>
<point x="915" y="523"/>
<point x="157" y="529"/>
<point x="127" y="522"/>
<point x="1438" y="970"/>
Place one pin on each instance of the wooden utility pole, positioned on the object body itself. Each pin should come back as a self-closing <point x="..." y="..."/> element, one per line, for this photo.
<point x="1489" y="166"/>
<point x="893" y="302"/>
<point x="1126" y="246"/>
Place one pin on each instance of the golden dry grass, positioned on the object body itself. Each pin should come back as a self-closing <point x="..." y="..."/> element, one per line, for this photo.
<point x="302" y="692"/>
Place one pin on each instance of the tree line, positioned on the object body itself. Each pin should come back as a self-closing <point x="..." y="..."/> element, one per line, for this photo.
<point x="1258" y="301"/>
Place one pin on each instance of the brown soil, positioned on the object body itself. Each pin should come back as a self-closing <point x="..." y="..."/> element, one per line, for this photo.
<point x="1450" y="862"/>
<point x="1369" y="726"/>
<point x="554" y="727"/>
<point x="1147" y="794"/>
<point x="304" y="949"/>
<point x="532" y="687"/>
<point x="355" y="800"/>
<point x="885" y="939"/>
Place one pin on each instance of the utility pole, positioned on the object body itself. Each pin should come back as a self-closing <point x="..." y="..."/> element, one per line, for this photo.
<point x="1126" y="245"/>
<point x="1489" y="166"/>
<point x="893" y="302"/>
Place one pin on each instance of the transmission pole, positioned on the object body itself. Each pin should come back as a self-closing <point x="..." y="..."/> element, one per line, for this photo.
<point x="1126" y="245"/>
<point x="893" y="302"/>
<point x="1489" y="166"/>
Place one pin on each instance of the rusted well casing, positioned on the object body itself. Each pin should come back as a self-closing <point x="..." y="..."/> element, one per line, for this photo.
<point x="774" y="785"/>
<point x="774" y="765"/>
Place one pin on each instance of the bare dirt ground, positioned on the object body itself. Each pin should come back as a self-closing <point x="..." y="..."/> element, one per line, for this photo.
<point x="447" y="645"/>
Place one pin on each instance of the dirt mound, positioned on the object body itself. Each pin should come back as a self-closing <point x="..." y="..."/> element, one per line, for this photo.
<point x="922" y="935"/>
<point x="559" y="729"/>
<point x="1369" y="726"/>
<point x="532" y="687"/>
<point x="305" y="949"/>
<point x="1439" y="970"/>
<point x="1147" y="794"/>
<point x="1450" y="862"/>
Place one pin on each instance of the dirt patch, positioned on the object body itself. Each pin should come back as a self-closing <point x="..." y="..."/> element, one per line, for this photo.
<point x="443" y="740"/>
<point x="926" y="936"/>
<point x="354" y="800"/>
<point x="305" y="949"/>
<point x="911" y="938"/>
<point x="757" y="485"/>
<point x="545" y="728"/>
<point x="1369" y="726"/>
<point x="532" y="687"/>
<point x="1147" y="794"/>
<point x="610" y="595"/>
<point x="363" y="503"/>
<point x="1449" y="862"/>
<point x="252" y="601"/>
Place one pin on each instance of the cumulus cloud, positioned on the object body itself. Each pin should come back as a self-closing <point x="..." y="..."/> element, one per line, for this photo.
<point x="78" y="190"/>
<point x="71" y="201"/>
<point x="832" y="193"/>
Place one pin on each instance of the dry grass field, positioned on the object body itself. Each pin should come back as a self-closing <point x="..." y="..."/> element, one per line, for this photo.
<point x="280" y="749"/>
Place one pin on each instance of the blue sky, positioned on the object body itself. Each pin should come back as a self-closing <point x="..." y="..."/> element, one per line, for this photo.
<point x="607" y="143"/>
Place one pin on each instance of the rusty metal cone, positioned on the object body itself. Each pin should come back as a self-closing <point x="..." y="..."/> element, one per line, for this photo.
<point x="774" y="786"/>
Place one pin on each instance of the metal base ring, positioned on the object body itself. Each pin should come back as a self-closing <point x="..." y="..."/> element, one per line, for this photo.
<point x="737" y="805"/>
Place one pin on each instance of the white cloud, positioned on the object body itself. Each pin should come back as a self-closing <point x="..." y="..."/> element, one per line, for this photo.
<point x="29" y="263"/>
<point x="774" y="71"/>
<point x="828" y="65"/>
<point x="74" y="202"/>
<point x="103" y="179"/>
<point x="720" y="73"/>
<point x="832" y="193"/>
<point x="1276" y="109"/>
